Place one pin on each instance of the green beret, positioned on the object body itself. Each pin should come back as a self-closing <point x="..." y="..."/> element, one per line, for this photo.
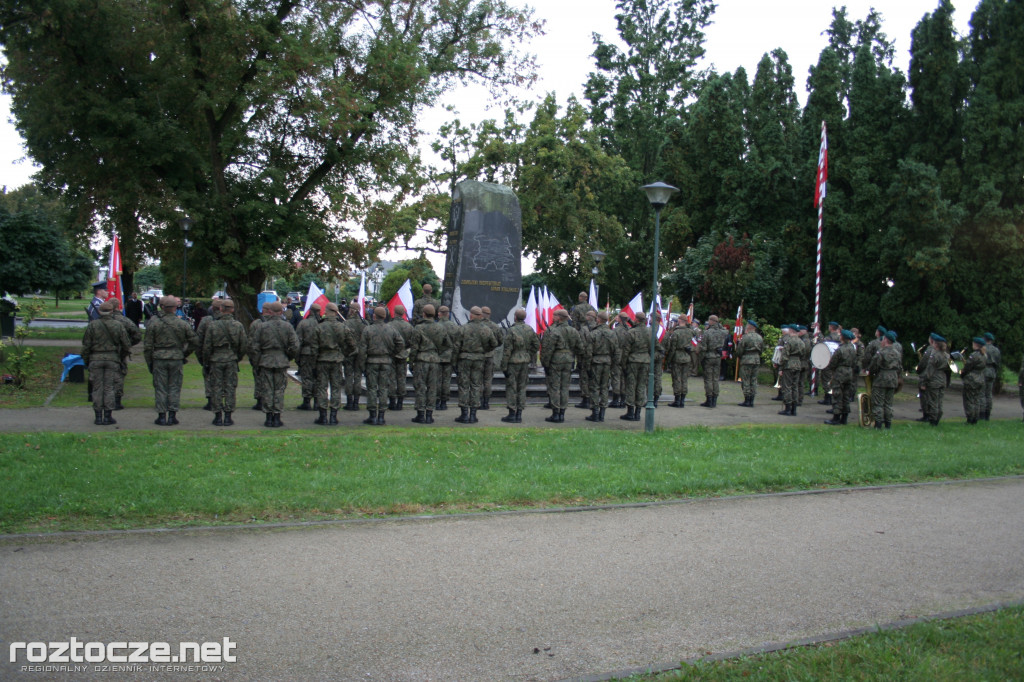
<point x="834" y="324"/>
<point x="894" y="334"/>
<point x="936" y="337"/>
<point x="753" y="324"/>
<point x="989" y="336"/>
<point x="847" y="334"/>
<point x="978" y="340"/>
<point x="881" y="329"/>
<point x="891" y="335"/>
<point x="785" y="326"/>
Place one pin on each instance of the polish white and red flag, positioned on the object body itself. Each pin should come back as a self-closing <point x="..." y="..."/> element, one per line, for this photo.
<point x="592" y="300"/>
<point x="317" y="296"/>
<point x="656" y="306"/>
<point x="531" y="311"/>
<point x="403" y="297"/>
<point x="635" y="306"/>
<point x="737" y="330"/>
<point x="114" y="273"/>
<point x="361" y="298"/>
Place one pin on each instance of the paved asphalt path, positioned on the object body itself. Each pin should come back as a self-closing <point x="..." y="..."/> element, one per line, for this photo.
<point x="528" y="596"/>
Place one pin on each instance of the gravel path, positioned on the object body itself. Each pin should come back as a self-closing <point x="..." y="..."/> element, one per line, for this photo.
<point x="531" y="596"/>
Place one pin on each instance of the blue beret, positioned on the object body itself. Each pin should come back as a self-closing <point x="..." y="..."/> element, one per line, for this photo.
<point x="989" y="336"/>
<point x="978" y="340"/>
<point x="937" y="337"/>
<point x="753" y="324"/>
<point x="891" y="335"/>
<point x="834" y="324"/>
<point x="847" y="334"/>
<point x="894" y="334"/>
<point x="881" y="329"/>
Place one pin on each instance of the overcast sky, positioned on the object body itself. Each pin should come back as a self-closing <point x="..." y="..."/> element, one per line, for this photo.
<point x="742" y="32"/>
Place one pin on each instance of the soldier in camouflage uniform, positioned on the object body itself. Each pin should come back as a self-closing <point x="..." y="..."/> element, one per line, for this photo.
<point x="578" y="313"/>
<point x="333" y="343"/>
<point x="400" y="364"/>
<point x="602" y="349"/>
<point x="749" y="351"/>
<point x="499" y="336"/>
<point x="272" y="346"/>
<point x="225" y="343"/>
<point x="993" y="363"/>
<point x="204" y="324"/>
<point x="169" y="340"/>
<point x="678" y="360"/>
<point x="256" y="383"/>
<point x="353" y="372"/>
<point x="472" y="345"/>
<point x="873" y="347"/>
<point x="636" y="353"/>
<point x="974" y="381"/>
<point x="710" y="350"/>
<point x="135" y="336"/>
<point x="558" y="350"/>
<point x="884" y="368"/>
<point x="791" y="363"/>
<point x="444" y="377"/>
<point x="379" y="346"/>
<point x="306" y="331"/>
<point x="426" y="299"/>
<point x="105" y="344"/>
<point x="428" y="341"/>
<point x="620" y="366"/>
<point x="804" y="381"/>
<point x="583" y="361"/>
<point x="843" y="365"/>
<point x="933" y="379"/>
<point x="520" y="348"/>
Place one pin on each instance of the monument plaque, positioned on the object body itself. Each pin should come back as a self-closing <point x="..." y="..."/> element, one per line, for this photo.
<point x="485" y="245"/>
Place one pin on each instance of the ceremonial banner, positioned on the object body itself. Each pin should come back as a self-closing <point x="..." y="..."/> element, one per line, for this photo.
<point x="114" y="273"/>
<point x="317" y="296"/>
<point x="361" y="298"/>
<point x="635" y="306"/>
<point x="402" y="297"/>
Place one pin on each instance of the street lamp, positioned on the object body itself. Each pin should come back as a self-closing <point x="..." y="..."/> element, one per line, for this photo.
<point x="185" y="223"/>
<point x="598" y="256"/>
<point x="658" y="194"/>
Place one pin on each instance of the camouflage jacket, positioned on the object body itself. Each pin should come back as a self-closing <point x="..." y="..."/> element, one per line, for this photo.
<point x="474" y="342"/>
<point x="603" y="345"/>
<point x="105" y="339"/>
<point x="168" y="337"/>
<point x="749" y="349"/>
<point x="380" y="344"/>
<point x="273" y="343"/>
<point x="844" y="361"/>
<point x="428" y="341"/>
<point x="974" y="369"/>
<point x="993" y="359"/>
<point x="561" y="343"/>
<point x="224" y="339"/>
<point x="792" y="352"/>
<point x="521" y="345"/>
<point x="713" y="340"/>
<point x="885" y="367"/>
<point x="333" y="340"/>
<point x="679" y="346"/>
<point x="306" y="331"/>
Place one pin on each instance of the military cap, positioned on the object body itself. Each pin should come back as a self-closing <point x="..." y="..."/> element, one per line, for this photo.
<point x="834" y="324"/>
<point x="561" y="314"/>
<point x="978" y="340"/>
<point x="226" y="304"/>
<point x="475" y="310"/>
<point x="99" y="285"/>
<point x="316" y="306"/>
<point x="895" y="335"/>
<point x="847" y="334"/>
<point x="107" y="306"/>
<point x="168" y="302"/>
<point x="990" y="336"/>
<point x="640" y="316"/>
<point x="880" y="328"/>
<point x="936" y="337"/>
<point x="785" y="327"/>
<point x="753" y="324"/>
<point x="274" y="307"/>
<point x="333" y="308"/>
<point x="428" y="310"/>
<point x="891" y="335"/>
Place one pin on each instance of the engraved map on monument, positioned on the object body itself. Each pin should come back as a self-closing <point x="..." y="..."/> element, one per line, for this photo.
<point x="491" y="253"/>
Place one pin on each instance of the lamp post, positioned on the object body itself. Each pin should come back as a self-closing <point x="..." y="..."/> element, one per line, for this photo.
<point x="658" y="194"/>
<point x="185" y="223"/>
<point x="598" y="256"/>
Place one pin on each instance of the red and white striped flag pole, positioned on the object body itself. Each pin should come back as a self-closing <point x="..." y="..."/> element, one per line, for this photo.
<point x="820" y="187"/>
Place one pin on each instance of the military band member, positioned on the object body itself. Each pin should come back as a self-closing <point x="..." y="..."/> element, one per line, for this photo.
<point x="790" y="361"/>
<point x="272" y="346"/>
<point x="169" y="340"/>
<point x="993" y="364"/>
<point x="748" y="353"/>
<point x="933" y="379"/>
<point x="558" y="351"/>
<point x="826" y="374"/>
<point x="225" y="343"/>
<point x="974" y="381"/>
<point x="602" y="347"/>
<point x="843" y="366"/>
<point x="104" y="345"/>
<point x="520" y="348"/>
<point x="678" y="360"/>
<point x="872" y="348"/>
<point x="427" y="343"/>
<point x="710" y="349"/>
<point x="306" y="331"/>
<point x="884" y="367"/>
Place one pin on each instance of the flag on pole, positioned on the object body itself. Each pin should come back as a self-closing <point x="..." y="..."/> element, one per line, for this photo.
<point x="656" y="306"/>
<point x="821" y="184"/>
<point x="737" y="330"/>
<point x="689" y="315"/>
<point x="317" y="296"/>
<point x="593" y="294"/>
<point x="635" y="306"/>
<point x="361" y="298"/>
<point x="114" y="273"/>
<point x="402" y="297"/>
<point x="531" y="311"/>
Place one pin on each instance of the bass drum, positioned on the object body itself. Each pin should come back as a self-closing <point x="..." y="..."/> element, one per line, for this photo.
<point x="822" y="352"/>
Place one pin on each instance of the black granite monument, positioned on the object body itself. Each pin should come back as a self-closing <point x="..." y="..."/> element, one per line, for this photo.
<point x="485" y="245"/>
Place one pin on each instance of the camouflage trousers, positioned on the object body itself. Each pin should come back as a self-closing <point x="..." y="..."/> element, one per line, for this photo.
<point x="680" y="378"/>
<point x="842" y="394"/>
<point x="399" y="370"/>
<point x="471" y="382"/>
<point x="748" y="375"/>
<point x="425" y="377"/>
<point x="600" y="374"/>
<point x="256" y="383"/>
<point x="329" y="381"/>
<point x="488" y="376"/>
<point x="825" y="379"/>
<point x="559" y="375"/>
<point x="307" y="375"/>
<point x="222" y="384"/>
<point x="791" y="387"/>
<point x="517" y="376"/>
<point x="881" y="403"/>
<point x="803" y="384"/>
<point x="444" y="380"/>
<point x="636" y="380"/>
<point x="618" y="376"/>
<point x="974" y="401"/>
<point x="103" y="374"/>
<point x="273" y="381"/>
<point x="206" y="381"/>
<point x="933" y="403"/>
<point x="379" y="376"/>
<point x="119" y="379"/>
<point x="986" y="398"/>
<point x="167" y="377"/>
<point x="353" y="379"/>
<point x="584" y="370"/>
<point x="712" y="370"/>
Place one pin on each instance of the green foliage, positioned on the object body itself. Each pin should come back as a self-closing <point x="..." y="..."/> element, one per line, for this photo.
<point x="36" y="255"/>
<point x="149" y="277"/>
<point x="771" y="336"/>
<point x="16" y="357"/>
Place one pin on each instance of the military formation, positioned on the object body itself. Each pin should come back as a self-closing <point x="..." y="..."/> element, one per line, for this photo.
<point x="338" y="356"/>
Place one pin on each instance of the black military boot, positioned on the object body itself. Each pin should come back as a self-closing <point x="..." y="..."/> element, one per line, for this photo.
<point x="793" y="408"/>
<point x="172" y="418"/>
<point x="878" y="425"/>
<point x="161" y="419"/>
<point x="277" y="419"/>
<point x="228" y="421"/>
<point x="600" y="415"/>
<point x="379" y="421"/>
<point x="269" y="421"/>
<point x="554" y="416"/>
<point x="399" y="400"/>
<point x="714" y="401"/>
<point x="444" y="405"/>
<point x="594" y="415"/>
<point x="372" y="419"/>
<point x="636" y="414"/>
<point x="511" y="417"/>
<point x="209" y="405"/>
<point x="117" y="403"/>
<point x="305" y="405"/>
<point x="788" y="412"/>
<point x="99" y="418"/>
<point x="888" y="425"/>
<point x="485" y="403"/>
<point x="835" y="421"/>
<point x="332" y="420"/>
<point x="682" y="400"/>
<point x="519" y="416"/>
<point x="108" y="418"/>
<point x="218" y="419"/>
<point x="629" y="414"/>
<point x="429" y="417"/>
<point x="391" y="402"/>
<point x="827" y="400"/>
<point x="778" y="397"/>
<point x="420" y="418"/>
<point x="472" y="416"/>
<point x="258" y="405"/>
<point x="707" y="402"/>
<point x="464" y="417"/>
<point x="584" y="404"/>
<point x="321" y="417"/>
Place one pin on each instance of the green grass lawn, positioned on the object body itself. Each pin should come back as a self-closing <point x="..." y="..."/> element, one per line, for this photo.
<point x="989" y="646"/>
